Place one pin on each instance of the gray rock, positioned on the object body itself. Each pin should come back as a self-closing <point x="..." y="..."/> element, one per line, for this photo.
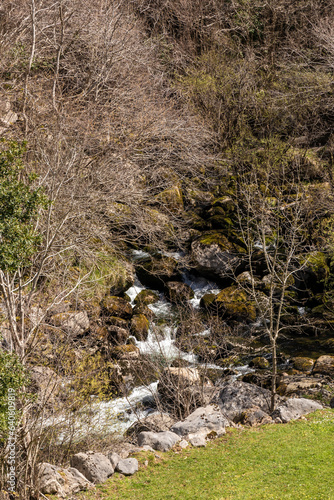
<point x="96" y="467"/>
<point x="114" y="459"/>
<point x="235" y="397"/>
<point x="161" y="441"/>
<point x="324" y="365"/>
<point x="58" y="481"/>
<point x="294" y="408"/>
<point x="74" y="323"/>
<point x="205" y="420"/>
<point x="183" y="443"/>
<point x="127" y="466"/>
<point x="219" y="257"/>
<point x="197" y="440"/>
<point x="155" y="422"/>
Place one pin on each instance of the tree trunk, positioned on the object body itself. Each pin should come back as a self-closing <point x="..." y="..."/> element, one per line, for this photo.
<point x="274" y="375"/>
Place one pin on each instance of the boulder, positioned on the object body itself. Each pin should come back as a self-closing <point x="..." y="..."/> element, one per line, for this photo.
<point x="294" y="408"/>
<point x="114" y="459"/>
<point x="143" y="309"/>
<point x="161" y="441"/>
<point x="155" y="422"/>
<point x="155" y="271"/>
<point x="303" y="364"/>
<point x="235" y="397"/>
<point x="233" y="303"/>
<point x="115" y="321"/>
<point x="205" y="420"/>
<point x="146" y="297"/>
<point x="197" y="440"/>
<point x="73" y="323"/>
<point x="139" y="326"/>
<point x="96" y="467"/>
<point x="116" y="306"/>
<point x="324" y="365"/>
<point x="182" y="390"/>
<point x="178" y="293"/>
<point x="54" y="480"/>
<point x="127" y="466"/>
<point x="117" y="335"/>
<point x="254" y="416"/>
<point x="260" y="362"/>
<point x="298" y="385"/>
<point x="215" y="256"/>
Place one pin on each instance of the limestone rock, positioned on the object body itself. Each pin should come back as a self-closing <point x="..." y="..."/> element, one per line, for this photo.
<point x="197" y="440"/>
<point x="215" y="256"/>
<point x="155" y="422"/>
<point x="54" y="480"/>
<point x="324" y="365"/>
<point x="235" y="397"/>
<point x="207" y="420"/>
<point x="96" y="467"/>
<point x="74" y="323"/>
<point x="114" y="459"/>
<point x="296" y="407"/>
<point x="127" y="466"/>
<point x="161" y="441"/>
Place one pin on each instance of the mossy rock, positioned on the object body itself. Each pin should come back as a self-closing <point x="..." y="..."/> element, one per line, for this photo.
<point x="116" y="306"/>
<point x="303" y="364"/>
<point x="178" y="292"/>
<point x="224" y="202"/>
<point x="139" y="326"/>
<point x="146" y="297"/>
<point x="155" y="271"/>
<point x="313" y="276"/>
<point x="207" y="302"/>
<point x="199" y="199"/>
<point x="324" y="365"/>
<point x="233" y="303"/>
<point x="117" y="335"/>
<point x="197" y="222"/>
<point x="171" y="198"/>
<point x="260" y="362"/>
<point x="145" y="310"/>
<point x="116" y="321"/>
<point x="214" y="255"/>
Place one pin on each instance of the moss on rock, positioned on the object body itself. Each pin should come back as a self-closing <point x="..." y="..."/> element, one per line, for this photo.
<point x="139" y="326"/>
<point x="116" y="306"/>
<point x="234" y="303"/>
<point x="146" y="297"/>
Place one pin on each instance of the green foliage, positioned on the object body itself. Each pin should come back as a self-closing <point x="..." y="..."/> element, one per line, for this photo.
<point x="13" y="375"/>
<point x="20" y="204"/>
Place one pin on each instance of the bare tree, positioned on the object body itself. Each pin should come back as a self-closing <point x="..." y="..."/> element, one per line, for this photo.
<point x="274" y="220"/>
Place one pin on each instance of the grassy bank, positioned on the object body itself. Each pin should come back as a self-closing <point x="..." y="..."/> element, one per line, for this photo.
<point x="293" y="461"/>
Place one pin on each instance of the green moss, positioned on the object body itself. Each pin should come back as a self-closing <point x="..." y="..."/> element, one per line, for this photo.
<point x="171" y="198"/>
<point x="139" y="326"/>
<point x="146" y="297"/>
<point x="234" y="303"/>
<point x="303" y="364"/>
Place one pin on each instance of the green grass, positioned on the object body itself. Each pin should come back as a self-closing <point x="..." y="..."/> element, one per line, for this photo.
<point x="293" y="461"/>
